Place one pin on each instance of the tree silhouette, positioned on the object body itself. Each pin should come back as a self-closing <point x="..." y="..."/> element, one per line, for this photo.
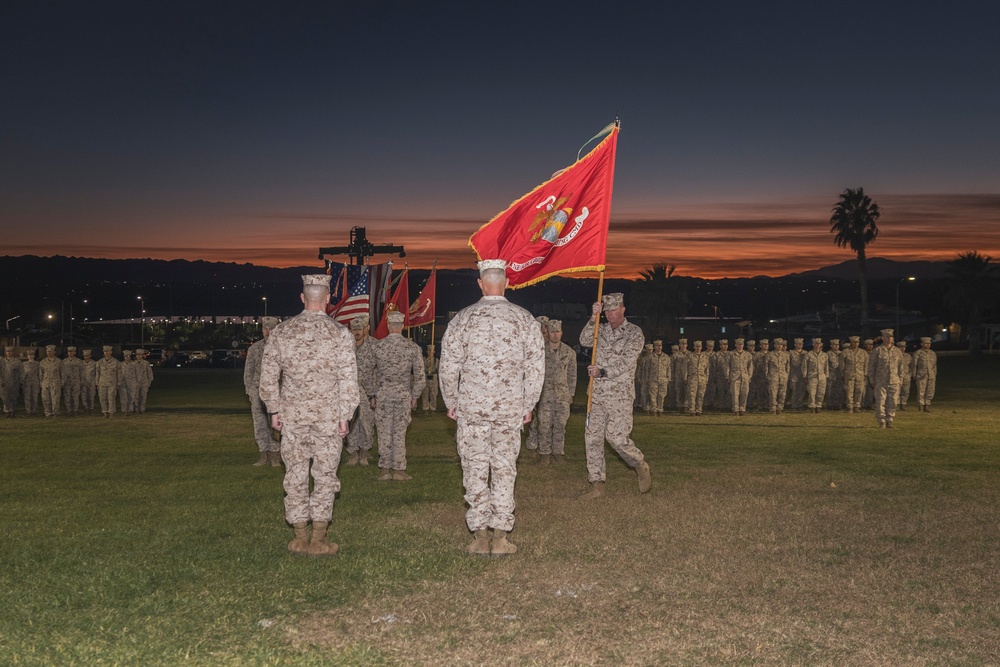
<point x="853" y="221"/>
<point x="973" y="288"/>
<point x="661" y="297"/>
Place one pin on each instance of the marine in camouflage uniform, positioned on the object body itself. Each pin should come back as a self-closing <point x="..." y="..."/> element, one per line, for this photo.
<point x="905" y="376"/>
<point x="816" y="368"/>
<point x="713" y="378"/>
<point x="740" y="374"/>
<point x="678" y="379"/>
<point x="557" y="395"/>
<point x="723" y="391"/>
<point x="868" y="400"/>
<point x="88" y="382"/>
<point x="854" y="361"/>
<point x="429" y="394"/>
<point x="883" y="378"/>
<point x="760" y="395"/>
<point x="924" y="371"/>
<point x="51" y="376"/>
<point x="268" y="447"/>
<point x="399" y="379"/>
<point x="11" y="374"/>
<point x="127" y="380"/>
<point x="309" y="382"/>
<point x="492" y="371"/>
<point x="72" y="368"/>
<point x="610" y="418"/>
<point x="144" y="375"/>
<point x="835" y="380"/>
<point x="644" y="380"/>
<point x="31" y="383"/>
<point x="531" y="440"/>
<point x="796" y="375"/>
<point x="108" y="374"/>
<point x="361" y="437"/>
<point x="697" y="377"/>
<point x="777" y="376"/>
<point x="661" y="374"/>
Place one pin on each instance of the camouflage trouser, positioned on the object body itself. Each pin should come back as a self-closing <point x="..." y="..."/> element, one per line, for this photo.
<point x="777" y="390"/>
<point x="757" y="397"/>
<point x="300" y="444"/>
<point x="797" y="389"/>
<point x="613" y="424"/>
<point x="51" y="394"/>
<point x="885" y="402"/>
<point x="816" y="391"/>
<point x="696" y="395"/>
<point x="392" y="414"/>
<point x="262" y="431"/>
<point x="646" y="396"/>
<point x="429" y="394"/>
<point x="740" y="391"/>
<point x="140" y="397"/>
<point x="658" y="392"/>
<point x="124" y="398"/>
<point x="925" y="390"/>
<point x="360" y="437"/>
<point x="834" y="393"/>
<point x="106" y="394"/>
<point x="531" y="440"/>
<point x="71" y="397"/>
<point x="552" y="418"/>
<point x="868" y="400"/>
<point x="31" y="396"/>
<point x="854" y="389"/>
<point x="87" y="390"/>
<point x="489" y="468"/>
<point x="723" y="394"/>
<point x="10" y="392"/>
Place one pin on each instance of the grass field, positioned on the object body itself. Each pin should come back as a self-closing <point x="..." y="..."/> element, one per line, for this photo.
<point x="796" y="539"/>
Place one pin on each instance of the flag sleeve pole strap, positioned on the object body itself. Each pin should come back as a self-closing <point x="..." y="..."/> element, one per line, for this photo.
<point x="593" y="350"/>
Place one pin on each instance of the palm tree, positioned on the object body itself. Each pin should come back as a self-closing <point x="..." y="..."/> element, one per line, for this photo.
<point x="853" y="220"/>
<point x="973" y="288"/>
<point x="662" y="298"/>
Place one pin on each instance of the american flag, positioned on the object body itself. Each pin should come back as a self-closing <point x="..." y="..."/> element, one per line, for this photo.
<point x="360" y="283"/>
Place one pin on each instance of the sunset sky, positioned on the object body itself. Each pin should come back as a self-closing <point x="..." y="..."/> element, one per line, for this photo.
<point x="258" y="132"/>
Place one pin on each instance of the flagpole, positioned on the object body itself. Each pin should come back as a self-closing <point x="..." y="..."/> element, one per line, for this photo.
<point x="593" y="350"/>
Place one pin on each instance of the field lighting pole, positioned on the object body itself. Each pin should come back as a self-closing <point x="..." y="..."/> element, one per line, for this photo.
<point x="264" y="299"/>
<point x="901" y="281"/>
<point x="142" y="320"/>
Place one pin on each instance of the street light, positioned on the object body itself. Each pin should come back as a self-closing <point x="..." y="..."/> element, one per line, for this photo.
<point x="901" y="281"/>
<point x="264" y="299"/>
<point x="142" y="320"/>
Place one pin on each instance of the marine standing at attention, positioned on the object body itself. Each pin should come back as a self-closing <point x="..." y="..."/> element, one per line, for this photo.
<point x="557" y="395"/>
<point x="492" y="370"/>
<point x="268" y="447"/>
<point x="399" y="379"/>
<point x="309" y="382"/>
<point x="361" y="437"/>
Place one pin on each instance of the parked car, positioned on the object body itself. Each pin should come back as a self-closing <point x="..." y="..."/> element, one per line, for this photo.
<point x="221" y="359"/>
<point x="177" y="360"/>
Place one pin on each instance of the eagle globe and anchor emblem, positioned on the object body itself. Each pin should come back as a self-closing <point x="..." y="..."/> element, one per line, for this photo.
<point x="551" y="218"/>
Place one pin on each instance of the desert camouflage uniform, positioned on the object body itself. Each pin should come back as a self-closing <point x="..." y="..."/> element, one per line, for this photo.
<point x="924" y="372"/>
<point x="710" y="386"/>
<point x="557" y="395"/>
<point x="11" y="373"/>
<point x="429" y="394"/>
<point x="855" y="369"/>
<point x="723" y="392"/>
<point x="610" y="413"/>
<point x="883" y="378"/>
<point x="361" y="437"/>
<point x="759" y="390"/>
<point x="126" y="383"/>
<point x="835" y="380"/>
<point x="399" y="379"/>
<point x="492" y="371"/>
<point x="740" y="373"/>
<point x="678" y="378"/>
<point x="816" y="368"/>
<point x="905" y="377"/>
<point x="144" y="375"/>
<point x="777" y="376"/>
<point x="868" y="398"/>
<point x="72" y="375"/>
<point x="262" y="431"/>
<point x="109" y="371"/>
<point x="31" y="384"/>
<point x="531" y="439"/>
<point x="310" y="377"/>
<point x="697" y="376"/>
<point x="644" y="380"/>
<point x="796" y="376"/>
<point x="51" y="376"/>
<point x="661" y="374"/>
<point x="88" y="383"/>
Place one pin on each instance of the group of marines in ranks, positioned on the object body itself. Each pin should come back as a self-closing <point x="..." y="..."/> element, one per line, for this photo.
<point x="67" y="385"/>
<point x="771" y="378"/>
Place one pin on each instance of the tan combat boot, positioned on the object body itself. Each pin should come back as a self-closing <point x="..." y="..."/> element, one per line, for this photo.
<point x="558" y="458"/>
<point x="400" y="476"/>
<point x="596" y="491"/>
<point x="480" y="546"/>
<point x="300" y="545"/>
<point x="352" y="459"/>
<point x="545" y="460"/>
<point x="645" y="478"/>
<point x="363" y="457"/>
<point x="386" y="475"/>
<point x="500" y="547"/>
<point x="275" y="459"/>
<point x="318" y="546"/>
<point x="261" y="460"/>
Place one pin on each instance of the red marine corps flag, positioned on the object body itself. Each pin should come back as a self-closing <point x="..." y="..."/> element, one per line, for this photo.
<point x="400" y="301"/>
<point x="422" y="310"/>
<point x="559" y="227"/>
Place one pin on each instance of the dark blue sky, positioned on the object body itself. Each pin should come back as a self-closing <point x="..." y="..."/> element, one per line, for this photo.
<point x="259" y="131"/>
